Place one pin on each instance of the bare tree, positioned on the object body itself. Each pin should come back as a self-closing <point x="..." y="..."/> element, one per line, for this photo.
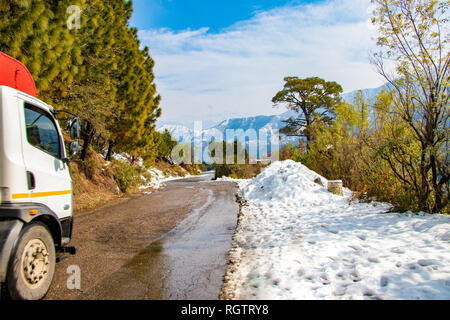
<point x="415" y="39"/>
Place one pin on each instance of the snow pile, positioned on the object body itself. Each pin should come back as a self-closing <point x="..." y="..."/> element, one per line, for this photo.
<point x="240" y="182"/>
<point x="295" y="240"/>
<point x="124" y="157"/>
<point x="284" y="181"/>
<point x="158" y="179"/>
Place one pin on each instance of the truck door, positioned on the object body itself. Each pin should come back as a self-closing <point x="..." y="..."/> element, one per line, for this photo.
<point x="49" y="180"/>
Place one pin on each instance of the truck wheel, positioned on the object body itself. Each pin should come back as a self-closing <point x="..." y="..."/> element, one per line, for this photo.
<point x="31" y="269"/>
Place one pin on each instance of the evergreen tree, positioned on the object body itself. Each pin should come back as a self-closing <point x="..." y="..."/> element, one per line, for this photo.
<point x="165" y="144"/>
<point x="137" y="104"/>
<point x="313" y="98"/>
<point x="98" y="71"/>
<point x="92" y="94"/>
<point x="35" y="32"/>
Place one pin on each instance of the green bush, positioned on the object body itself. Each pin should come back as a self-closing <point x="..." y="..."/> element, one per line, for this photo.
<point x="238" y="171"/>
<point x="127" y="177"/>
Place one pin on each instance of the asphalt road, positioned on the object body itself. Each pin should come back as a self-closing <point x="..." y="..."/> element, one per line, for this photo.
<point x="168" y="245"/>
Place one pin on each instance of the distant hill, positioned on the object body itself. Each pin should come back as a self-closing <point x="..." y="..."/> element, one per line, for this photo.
<point x="269" y="124"/>
<point x="180" y="132"/>
<point x="370" y="94"/>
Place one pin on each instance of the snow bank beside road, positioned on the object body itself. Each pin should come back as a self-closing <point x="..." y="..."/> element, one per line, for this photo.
<point x="158" y="179"/>
<point x="240" y="182"/>
<point x="296" y="240"/>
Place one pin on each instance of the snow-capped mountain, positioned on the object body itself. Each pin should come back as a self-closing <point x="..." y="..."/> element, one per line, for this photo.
<point x="259" y="134"/>
<point x="228" y="129"/>
<point x="258" y="122"/>
<point x="369" y="94"/>
<point x="179" y="132"/>
<point x="251" y="126"/>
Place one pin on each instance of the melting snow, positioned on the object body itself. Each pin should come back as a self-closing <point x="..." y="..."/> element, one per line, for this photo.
<point x="296" y="240"/>
<point x="158" y="179"/>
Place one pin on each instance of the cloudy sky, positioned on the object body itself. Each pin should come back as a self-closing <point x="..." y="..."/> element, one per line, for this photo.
<point x="224" y="59"/>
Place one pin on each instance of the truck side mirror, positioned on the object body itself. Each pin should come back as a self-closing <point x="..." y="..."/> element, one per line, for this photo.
<point x="74" y="148"/>
<point x="74" y="128"/>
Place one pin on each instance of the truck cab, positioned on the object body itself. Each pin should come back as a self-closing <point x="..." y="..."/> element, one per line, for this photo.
<point x="36" y="214"/>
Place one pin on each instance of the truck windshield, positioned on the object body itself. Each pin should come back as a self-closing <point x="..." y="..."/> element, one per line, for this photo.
<point x="41" y="131"/>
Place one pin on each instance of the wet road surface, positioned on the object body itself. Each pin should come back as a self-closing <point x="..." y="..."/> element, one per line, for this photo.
<point x="189" y="261"/>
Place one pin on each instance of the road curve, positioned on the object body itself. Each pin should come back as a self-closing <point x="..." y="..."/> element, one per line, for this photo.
<point x="162" y="259"/>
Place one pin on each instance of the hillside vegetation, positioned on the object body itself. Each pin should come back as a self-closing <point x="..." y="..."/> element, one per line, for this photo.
<point x="394" y="148"/>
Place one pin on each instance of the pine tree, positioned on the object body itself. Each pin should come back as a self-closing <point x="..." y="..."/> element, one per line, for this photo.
<point x="98" y="71"/>
<point x="137" y="104"/>
<point x="313" y="98"/>
<point x="35" y="33"/>
<point x="92" y="93"/>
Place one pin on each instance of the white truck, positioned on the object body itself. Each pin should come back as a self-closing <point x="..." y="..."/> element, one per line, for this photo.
<point x="35" y="185"/>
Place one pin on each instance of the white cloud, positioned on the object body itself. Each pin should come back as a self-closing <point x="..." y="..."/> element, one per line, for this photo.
<point x="236" y="72"/>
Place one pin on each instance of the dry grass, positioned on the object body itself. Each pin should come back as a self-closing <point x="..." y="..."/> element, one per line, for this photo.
<point x="93" y="183"/>
<point x="238" y="171"/>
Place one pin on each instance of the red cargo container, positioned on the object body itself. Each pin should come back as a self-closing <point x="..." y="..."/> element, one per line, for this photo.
<point x="15" y="75"/>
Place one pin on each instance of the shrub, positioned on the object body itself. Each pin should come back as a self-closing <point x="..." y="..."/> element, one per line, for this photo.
<point x="238" y="171"/>
<point x="127" y="177"/>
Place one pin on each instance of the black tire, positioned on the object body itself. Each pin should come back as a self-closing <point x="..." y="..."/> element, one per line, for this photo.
<point x="35" y="250"/>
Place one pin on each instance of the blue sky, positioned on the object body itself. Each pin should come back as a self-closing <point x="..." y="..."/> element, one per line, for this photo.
<point x="195" y="14"/>
<point x="216" y="60"/>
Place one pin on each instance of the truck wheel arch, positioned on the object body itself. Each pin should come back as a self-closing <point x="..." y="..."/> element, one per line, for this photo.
<point x="9" y="234"/>
<point x="52" y="224"/>
<point x="14" y="220"/>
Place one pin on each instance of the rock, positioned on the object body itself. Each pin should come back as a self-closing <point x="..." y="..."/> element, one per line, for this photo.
<point x="318" y="181"/>
<point x="427" y="262"/>
<point x="335" y="187"/>
<point x="384" y="281"/>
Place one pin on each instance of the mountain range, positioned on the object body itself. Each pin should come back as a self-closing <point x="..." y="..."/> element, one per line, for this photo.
<point x="268" y="124"/>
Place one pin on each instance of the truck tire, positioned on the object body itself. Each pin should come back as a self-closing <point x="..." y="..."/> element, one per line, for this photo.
<point x="31" y="268"/>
